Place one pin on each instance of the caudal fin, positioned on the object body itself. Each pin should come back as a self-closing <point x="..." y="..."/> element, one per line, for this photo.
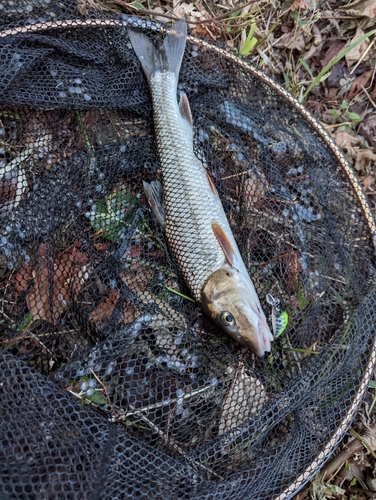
<point x="167" y="57"/>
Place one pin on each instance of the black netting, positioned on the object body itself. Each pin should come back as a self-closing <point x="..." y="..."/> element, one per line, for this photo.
<point x="114" y="386"/>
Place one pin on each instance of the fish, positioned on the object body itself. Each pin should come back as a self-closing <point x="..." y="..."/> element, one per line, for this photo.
<point x="280" y="317"/>
<point x="188" y="207"/>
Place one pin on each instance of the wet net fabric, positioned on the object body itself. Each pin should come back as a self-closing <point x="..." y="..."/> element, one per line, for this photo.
<point x="112" y="384"/>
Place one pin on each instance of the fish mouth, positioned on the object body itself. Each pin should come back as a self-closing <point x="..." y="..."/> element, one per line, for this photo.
<point x="264" y="339"/>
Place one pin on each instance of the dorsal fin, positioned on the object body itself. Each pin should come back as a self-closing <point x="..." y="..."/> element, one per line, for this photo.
<point x="185" y="109"/>
<point x="224" y="242"/>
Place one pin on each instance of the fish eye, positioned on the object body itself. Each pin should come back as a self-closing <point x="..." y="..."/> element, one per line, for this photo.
<point x="227" y="318"/>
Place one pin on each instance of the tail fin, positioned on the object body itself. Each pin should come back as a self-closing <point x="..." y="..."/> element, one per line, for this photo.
<point x="167" y="57"/>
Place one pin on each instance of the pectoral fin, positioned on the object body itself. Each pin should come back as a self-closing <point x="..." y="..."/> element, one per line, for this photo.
<point x="211" y="184"/>
<point x="224" y="242"/>
<point x="154" y="195"/>
<point x="185" y="109"/>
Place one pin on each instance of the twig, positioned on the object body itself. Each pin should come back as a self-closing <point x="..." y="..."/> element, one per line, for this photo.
<point x="364" y="442"/>
<point x="369" y="97"/>
<point x="336" y="463"/>
<point x="160" y="404"/>
<point x="362" y="56"/>
<point x="170" y="441"/>
<point x="102" y="385"/>
<point x="337" y="125"/>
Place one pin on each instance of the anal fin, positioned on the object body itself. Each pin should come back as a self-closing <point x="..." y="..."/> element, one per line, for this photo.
<point x="154" y="195"/>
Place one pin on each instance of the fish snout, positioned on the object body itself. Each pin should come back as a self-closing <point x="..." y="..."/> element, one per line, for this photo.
<point x="264" y="338"/>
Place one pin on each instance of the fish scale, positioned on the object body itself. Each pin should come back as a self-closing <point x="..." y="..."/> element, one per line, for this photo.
<point x="190" y="209"/>
<point x="186" y="191"/>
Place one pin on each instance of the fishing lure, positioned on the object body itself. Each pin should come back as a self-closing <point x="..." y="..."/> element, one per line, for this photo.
<point x="280" y="317"/>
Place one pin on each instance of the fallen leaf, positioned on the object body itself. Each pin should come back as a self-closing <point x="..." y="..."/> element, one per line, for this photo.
<point x="292" y="270"/>
<point x="363" y="159"/>
<point x="103" y="311"/>
<point x="327" y="117"/>
<point x="338" y="74"/>
<point x="355" y="54"/>
<point x="22" y="278"/>
<point x="298" y="5"/>
<point x="256" y="187"/>
<point x="332" y="51"/>
<point x="360" y="8"/>
<point x="344" y="139"/>
<point x="317" y="34"/>
<point x="291" y="41"/>
<point x="367" y="129"/>
<point x="312" y="51"/>
<point x="359" y="82"/>
<point x="53" y="282"/>
<point x="368" y="182"/>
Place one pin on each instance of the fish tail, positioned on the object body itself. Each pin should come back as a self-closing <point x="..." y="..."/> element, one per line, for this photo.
<point x="167" y="57"/>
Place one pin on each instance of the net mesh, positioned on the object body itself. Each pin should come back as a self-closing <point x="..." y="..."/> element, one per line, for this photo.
<point x="114" y="386"/>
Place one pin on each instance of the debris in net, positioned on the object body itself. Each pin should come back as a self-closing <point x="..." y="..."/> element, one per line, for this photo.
<point x="13" y="178"/>
<point x="50" y="284"/>
<point x="245" y="396"/>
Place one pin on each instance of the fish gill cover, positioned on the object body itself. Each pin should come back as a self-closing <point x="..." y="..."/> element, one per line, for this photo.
<point x="113" y="383"/>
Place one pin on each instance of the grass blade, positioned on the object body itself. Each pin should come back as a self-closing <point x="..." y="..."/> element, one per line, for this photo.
<point x="335" y="59"/>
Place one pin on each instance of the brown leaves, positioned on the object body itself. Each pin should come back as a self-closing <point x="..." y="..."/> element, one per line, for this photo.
<point x="359" y="83"/>
<point x="360" y="8"/>
<point x="345" y="140"/>
<point x="363" y="159"/>
<point x="367" y="128"/>
<point x="50" y="283"/>
<point x="357" y="52"/>
<point x="104" y="310"/>
<point x="291" y="41"/>
<point x="298" y="5"/>
<point x="292" y="270"/>
<point x="334" y="49"/>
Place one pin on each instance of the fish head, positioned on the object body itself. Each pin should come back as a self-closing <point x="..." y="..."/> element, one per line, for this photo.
<point x="231" y="301"/>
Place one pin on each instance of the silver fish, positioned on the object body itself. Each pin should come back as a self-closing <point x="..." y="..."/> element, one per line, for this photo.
<point x="189" y="208"/>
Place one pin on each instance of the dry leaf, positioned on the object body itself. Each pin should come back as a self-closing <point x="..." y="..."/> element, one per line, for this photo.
<point x="292" y="270"/>
<point x="367" y="128"/>
<point x="291" y="41"/>
<point x="344" y="139"/>
<point x="359" y="82"/>
<point x="53" y="280"/>
<point x="22" y="278"/>
<point x="298" y="5"/>
<point x="317" y="34"/>
<point x="360" y="8"/>
<point x="256" y="187"/>
<point x="363" y="159"/>
<point x="245" y="396"/>
<point x="332" y="51"/>
<point x="104" y="310"/>
<point x="355" y="54"/>
<point x="312" y="51"/>
<point x="368" y="181"/>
